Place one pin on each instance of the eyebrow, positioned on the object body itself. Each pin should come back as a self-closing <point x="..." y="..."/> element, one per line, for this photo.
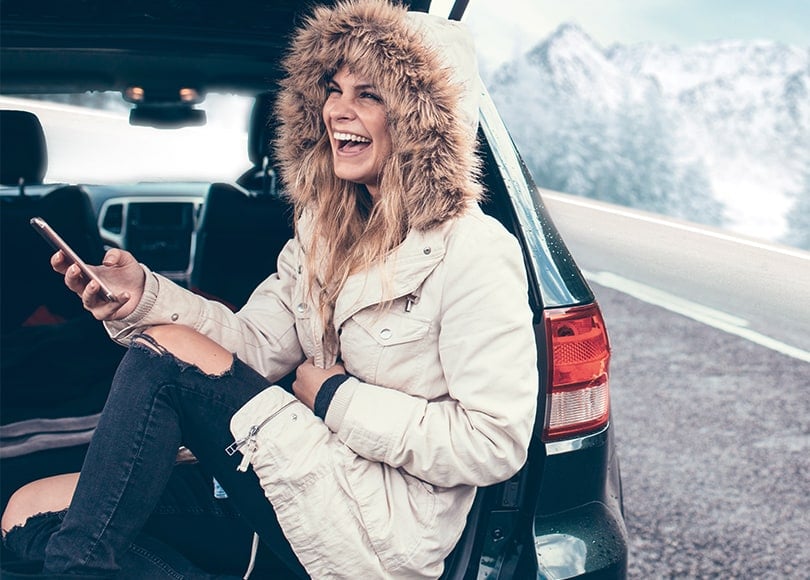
<point x="361" y="86"/>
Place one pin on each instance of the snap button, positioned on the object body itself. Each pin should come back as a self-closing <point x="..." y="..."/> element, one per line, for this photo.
<point x="175" y="316"/>
<point x="293" y="417"/>
<point x="426" y="251"/>
<point x="385" y="333"/>
<point x="301" y="308"/>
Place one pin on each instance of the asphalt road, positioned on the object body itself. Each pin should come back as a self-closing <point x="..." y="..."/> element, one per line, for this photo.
<point x="712" y="428"/>
<point x="761" y="289"/>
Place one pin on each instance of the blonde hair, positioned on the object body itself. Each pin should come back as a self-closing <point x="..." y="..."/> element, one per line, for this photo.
<point x="432" y="173"/>
<point x="351" y="233"/>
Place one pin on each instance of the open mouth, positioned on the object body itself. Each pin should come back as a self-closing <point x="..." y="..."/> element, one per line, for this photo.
<point x="350" y="142"/>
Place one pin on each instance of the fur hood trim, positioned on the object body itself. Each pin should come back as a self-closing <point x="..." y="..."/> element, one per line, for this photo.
<point x="432" y="108"/>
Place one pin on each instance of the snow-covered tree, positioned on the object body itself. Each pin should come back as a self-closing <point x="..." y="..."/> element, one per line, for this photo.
<point x="584" y="128"/>
<point x="798" y="219"/>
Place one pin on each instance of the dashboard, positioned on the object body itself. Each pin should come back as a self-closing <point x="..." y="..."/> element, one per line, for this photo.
<point x="155" y="222"/>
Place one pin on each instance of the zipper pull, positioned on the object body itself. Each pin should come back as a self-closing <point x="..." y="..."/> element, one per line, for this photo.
<point x="247" y="453"/>
<point x="239" y="443"/>
<point x="250" y="439"/>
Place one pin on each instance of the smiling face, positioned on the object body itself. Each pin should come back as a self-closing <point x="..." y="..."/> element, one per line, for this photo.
<point x="355" y="119"/>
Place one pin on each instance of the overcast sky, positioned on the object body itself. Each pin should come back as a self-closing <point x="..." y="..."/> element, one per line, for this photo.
<point x="504" y="28"/>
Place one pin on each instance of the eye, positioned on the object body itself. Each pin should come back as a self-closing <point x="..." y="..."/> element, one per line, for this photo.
<point x="371" y="95"/>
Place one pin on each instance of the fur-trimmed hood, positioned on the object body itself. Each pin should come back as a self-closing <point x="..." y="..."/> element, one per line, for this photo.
<point x="432" y="108"/>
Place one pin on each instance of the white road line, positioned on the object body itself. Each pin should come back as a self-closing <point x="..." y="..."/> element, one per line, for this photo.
<point x="704" y="314"/>
<point x="695" y="229"/>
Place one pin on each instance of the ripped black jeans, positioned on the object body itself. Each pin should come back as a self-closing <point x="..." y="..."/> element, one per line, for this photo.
<point x="135" y="511"/>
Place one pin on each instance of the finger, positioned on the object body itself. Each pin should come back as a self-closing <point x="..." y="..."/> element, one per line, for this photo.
<point x="113" y="257"/>
<point x="75" y="280"/>
<point x="110" y="310"/>
<point x="93" y="289"/>
<point x="98" y="306"/>
<point x="59" y="262"/>
<point x="91" y="298"/>
<point x="105" y="310"/>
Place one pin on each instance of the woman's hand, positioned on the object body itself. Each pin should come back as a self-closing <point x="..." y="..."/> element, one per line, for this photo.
<point x="309" y="378"/>
<point x="119" y="269"/>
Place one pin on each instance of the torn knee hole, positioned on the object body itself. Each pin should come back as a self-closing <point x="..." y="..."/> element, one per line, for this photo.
<point x="149" y="341"/>
<point x="216" y="362"/>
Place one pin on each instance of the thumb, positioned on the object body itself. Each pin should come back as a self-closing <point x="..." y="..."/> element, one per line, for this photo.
<point x="115" y="257"/>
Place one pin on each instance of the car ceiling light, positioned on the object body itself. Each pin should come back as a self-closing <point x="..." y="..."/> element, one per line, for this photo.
<point x="189" y="95"/>
<point x="134" y="94"/>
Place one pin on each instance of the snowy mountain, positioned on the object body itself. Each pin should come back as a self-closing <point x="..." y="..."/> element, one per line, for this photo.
<point x="717" y="133"/>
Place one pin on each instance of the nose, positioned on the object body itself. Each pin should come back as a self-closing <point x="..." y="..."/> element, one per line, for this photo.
<point x="339" y="107"/>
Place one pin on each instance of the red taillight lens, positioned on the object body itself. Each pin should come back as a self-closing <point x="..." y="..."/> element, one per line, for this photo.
<point x="578" y="395"/>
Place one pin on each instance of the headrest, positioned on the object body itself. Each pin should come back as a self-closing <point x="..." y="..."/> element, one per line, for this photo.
<point x="260" y="133"/>
<point x="23" y="153"/>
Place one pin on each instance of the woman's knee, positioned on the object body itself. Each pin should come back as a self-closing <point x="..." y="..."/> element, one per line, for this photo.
<point x="189" y="346"/>
<point x="51" y="494"/>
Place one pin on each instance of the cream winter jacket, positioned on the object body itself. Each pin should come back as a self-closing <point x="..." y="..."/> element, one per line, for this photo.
<point x="442" y="397"/>
<point x="444" y="382"/>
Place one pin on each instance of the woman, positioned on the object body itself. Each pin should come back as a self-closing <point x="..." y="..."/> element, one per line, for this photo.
<point x="399" y="304"/>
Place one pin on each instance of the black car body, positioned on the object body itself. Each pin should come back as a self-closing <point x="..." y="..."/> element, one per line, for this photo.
<point x="559" y="517"/>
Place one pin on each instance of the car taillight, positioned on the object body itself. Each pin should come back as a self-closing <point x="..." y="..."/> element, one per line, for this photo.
<point x="578" y="399"/>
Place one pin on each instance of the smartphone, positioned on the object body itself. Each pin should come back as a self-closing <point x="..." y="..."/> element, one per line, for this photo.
<point x="47" y="232"/>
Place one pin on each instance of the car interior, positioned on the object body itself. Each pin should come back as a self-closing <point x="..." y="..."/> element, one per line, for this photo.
<point x="218" y="238"/>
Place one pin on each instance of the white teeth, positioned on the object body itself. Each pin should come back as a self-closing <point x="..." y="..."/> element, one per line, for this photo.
<point x="350" y="137"/>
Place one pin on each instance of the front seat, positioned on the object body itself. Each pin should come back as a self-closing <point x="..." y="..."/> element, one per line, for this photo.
<point x="243" y="226"/>
<point x="29" y="285"/>
<point x="23" y="153"/>
<point x="261" y="177"/>
<point x="237" y="242"/>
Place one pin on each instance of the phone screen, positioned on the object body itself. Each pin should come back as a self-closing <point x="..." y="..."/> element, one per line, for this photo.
<point x="48" y="233"/>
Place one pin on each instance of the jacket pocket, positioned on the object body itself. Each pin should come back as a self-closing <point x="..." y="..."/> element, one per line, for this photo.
<point x="397" y="510"/>
<point x="373" y="343"/>
<point x="283" y="441"/>
<point x="247" y="444"/>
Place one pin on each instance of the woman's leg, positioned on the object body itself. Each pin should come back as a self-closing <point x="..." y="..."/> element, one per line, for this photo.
<point x="49" y="494"/>
<point x="206" y="528"/>
<point x="158" y="402"/>
<point x="190" y="530"/>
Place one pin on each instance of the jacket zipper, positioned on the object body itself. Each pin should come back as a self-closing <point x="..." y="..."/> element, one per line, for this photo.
<point x="249" y="441"/>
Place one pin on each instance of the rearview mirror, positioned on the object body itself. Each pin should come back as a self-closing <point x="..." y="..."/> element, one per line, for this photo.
<point x="167" y="116"/>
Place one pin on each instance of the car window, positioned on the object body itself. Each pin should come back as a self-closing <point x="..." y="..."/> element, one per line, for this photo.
<point x="90" y="140"/>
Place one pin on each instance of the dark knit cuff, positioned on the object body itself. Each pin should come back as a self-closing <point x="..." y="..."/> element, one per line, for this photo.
<point x="327" y="393"/>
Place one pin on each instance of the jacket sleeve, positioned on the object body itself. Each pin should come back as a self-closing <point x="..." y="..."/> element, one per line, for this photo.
<point x="262" y="333"/>
<point x="479" y="434"/>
